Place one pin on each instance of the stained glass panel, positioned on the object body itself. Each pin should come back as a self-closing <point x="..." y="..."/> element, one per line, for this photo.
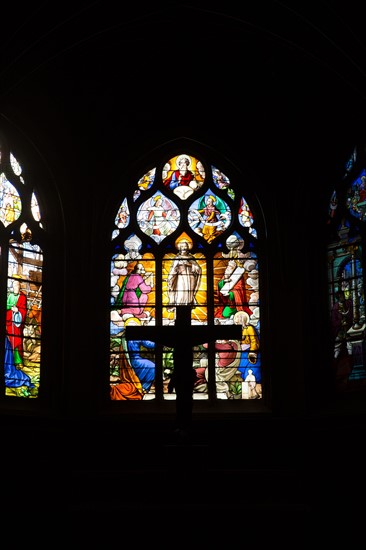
<point x="185" y="244"/>
<point x="23" y="320"/>
<point x="209" y="216"/>
<point x="184" y="175"/>
<point x="10" y="203"/>
<point x="356" y="197"/>
<point x="246" y="217"/>
<point x="346" y="293"/>
<point x="158" y="217"/>
<point x="23" y="279"/>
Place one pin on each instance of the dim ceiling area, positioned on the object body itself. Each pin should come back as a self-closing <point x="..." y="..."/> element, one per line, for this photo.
<point x="271" y="77"/>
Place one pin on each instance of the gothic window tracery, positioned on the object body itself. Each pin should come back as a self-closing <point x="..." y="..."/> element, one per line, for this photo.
<point x="21" y="277"/>
<point x="184" y="235"/>
<point x="346" y="260"/>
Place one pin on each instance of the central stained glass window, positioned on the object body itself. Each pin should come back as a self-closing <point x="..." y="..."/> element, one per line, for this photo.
<point x="184" y="236"/>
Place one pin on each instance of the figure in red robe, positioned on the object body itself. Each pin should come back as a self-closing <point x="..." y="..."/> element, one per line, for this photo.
<point x="232" y="293"/>
<point x="16" y="311"/>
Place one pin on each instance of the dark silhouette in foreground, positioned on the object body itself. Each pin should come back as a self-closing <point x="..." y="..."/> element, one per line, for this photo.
<point x="182" y="337"/>
<point x="183" y="380"/>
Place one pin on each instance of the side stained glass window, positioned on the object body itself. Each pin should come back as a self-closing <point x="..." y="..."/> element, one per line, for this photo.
<point x="185" y="236"/>
<point x="21" y="279"/>
<point x="346" y="285"/>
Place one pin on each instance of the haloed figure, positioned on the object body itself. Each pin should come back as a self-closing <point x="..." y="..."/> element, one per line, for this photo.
<point x="184" y="277"/>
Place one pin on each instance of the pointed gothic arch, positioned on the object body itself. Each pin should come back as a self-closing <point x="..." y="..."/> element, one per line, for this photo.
<point x="31" y="275"/>
<point x="187" y="229"/>
<point x="346" y="283"/>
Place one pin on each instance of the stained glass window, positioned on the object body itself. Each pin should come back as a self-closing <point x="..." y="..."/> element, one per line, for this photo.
<point x="346" y="260"/>
<point x="185" y="236"/>
<point x="21" y="278"/>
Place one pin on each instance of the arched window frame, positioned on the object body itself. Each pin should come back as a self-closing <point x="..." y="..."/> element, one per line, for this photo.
<point x="346" y="240"/>
<point x="39" y="227"/>
<point x="243" y="184"/>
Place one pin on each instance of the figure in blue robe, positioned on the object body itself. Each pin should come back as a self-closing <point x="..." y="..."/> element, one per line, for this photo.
<point x="14" y="378"/>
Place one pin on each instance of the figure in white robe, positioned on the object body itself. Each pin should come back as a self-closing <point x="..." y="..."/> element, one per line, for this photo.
<point x="184" y="277"/>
